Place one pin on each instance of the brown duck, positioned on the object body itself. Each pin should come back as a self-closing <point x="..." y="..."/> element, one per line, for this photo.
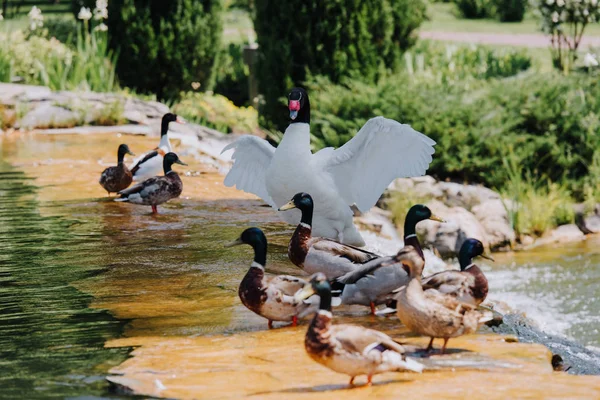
<point x="349" y="349"/>
<point x="157" y="190"/>
<point x="115" y="179"/>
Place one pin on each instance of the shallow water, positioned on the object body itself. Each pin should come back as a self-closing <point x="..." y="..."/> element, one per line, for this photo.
<point x="77" y="269"/>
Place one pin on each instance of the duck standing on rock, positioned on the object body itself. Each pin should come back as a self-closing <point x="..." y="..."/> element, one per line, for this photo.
<point x="469" y="285"/>
<point x="318" y="254"/>
<point x="115" y="179"/>
<point x="156" y="190"/>
<point x="356" y="173"/>
<point x="151" y="163"/>
<point x="370" y="285"/>
<point x="430" y="312"/>
<point x="349" y="349"/>
<point x="271" y="297"/>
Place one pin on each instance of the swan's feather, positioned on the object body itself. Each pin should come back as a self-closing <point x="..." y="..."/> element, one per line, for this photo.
<point x="251" y="156"/>
<point x="381" y="151"/>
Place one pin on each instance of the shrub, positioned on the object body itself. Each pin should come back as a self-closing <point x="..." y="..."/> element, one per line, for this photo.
<point x="355" y="39"/>
<point x="5" y="65"/>
<point x="217" y="112"/>
<point x="232" y="74"/>
<point x="475" y="9"/>
<point x="565" y="21"/>
<point x="164" y="46"/>
<point x="65" y="29"/>
<point x="510" y="10"/>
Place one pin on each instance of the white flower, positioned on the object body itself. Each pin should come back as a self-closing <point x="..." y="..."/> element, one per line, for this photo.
<point x="549" y="2"/>
<point x="102" y="27"/>
<point x="555" y="17"/>
<point x="36" y="19"/>
<point x="560" y="3"/>
<point x="84" y="14"/>
<point x="101" y="10"/>
<point x="590" y="60"/>
<point x="594" y="3"/>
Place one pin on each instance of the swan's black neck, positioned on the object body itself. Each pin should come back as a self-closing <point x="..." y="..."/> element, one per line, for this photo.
<point x="164" y="127"/>
<point x="303" y="114"/>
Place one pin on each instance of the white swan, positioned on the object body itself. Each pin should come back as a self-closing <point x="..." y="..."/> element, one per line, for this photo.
<point x="356" y="173"/>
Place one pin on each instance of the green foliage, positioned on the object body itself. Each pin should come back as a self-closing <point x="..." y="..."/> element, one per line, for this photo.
<point x="217" y="112"/>
<point x="475" y="9"/>
<point x="333" y="38"/>
<point x="64" y="29"/>
<point x="5" y="65"/>
<point x="165" y="46"/>
<point x="548" y="121"/>
<point x="438" y="63"/>
<point x="232" y="74"/>
<point x="510" y="10"/>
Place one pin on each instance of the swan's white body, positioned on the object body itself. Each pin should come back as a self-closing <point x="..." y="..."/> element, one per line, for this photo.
<point x="153" y="166"/>
<point x="356" y="173"/>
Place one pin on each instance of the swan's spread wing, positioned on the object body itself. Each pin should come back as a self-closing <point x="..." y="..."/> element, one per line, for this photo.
<point x="251" y="156"/>
<point x="381" y="151"/>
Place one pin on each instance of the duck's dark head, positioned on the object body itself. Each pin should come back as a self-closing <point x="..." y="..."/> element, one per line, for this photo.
<point x="299" y="105"/>
<point x="167" y="119"/>
<point x="256" y="238"/>
<point x="470" y="249"/>
<point x="169" y="160"/>
<point x="303" y="202"/>
<point x="123" y="149"/>
<point x="416" y="214"/>
<point x="318" y="285"/>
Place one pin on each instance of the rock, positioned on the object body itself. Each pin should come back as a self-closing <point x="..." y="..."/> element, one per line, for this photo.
<point x="588" y="225"/>
<point x="449" y="236"/>
<point x="378" y="221"/>
<point x="493" y="217"/>
<point x="466" y="196"/>
<point x="562" y="234"/>
<point x="49" y="116"/>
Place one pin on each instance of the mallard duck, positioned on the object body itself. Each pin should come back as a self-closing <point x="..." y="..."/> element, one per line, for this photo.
<point x="115" y="179"/>
<point x="469" y="285"/>
<point x="430" y="312"/>
<point x="271" y="297"/>
<point x="349" y="349"/>
<point x="370" y="285"/>
<point x="151" y="163"/>
<point x="156" y="190"/>
<point x="318" y="254"/>
<point x="356" y="173"/>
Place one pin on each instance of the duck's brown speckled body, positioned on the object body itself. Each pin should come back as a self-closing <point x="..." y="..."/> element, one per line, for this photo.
<point x="114" y="179"/>
<point x="349" y="349"/>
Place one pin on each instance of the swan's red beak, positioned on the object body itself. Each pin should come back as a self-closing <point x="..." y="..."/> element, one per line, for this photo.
<point x="294" y="106"/>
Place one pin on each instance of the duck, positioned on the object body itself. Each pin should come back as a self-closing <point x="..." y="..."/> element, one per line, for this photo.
<point x="156" y="190"/>
<point x="355" y="174"/>
<point x="432" y="313"/>
<point x="150" y="164"/>
<point x="319" y="254"/>
<point x="349" y="349"/>
<point x="269" y="296"/>
<point x="469" y="285"/>
<point x="369" y="284"/>
<point x="119" y="177"/>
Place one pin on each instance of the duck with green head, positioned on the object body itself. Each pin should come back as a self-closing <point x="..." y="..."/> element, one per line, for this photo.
<point x="269" y="296"/>
<point x="319" y="254"/>
<point x="349" y="349"/>
<point x="157" y="190"/>
<point x="370" y="285"/>
<point x="469" y="285"/>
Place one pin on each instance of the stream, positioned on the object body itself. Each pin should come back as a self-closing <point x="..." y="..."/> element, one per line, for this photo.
<point x="78" y="270"/>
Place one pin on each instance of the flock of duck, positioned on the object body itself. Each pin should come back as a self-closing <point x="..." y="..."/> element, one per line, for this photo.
<point x="315" y="192"/>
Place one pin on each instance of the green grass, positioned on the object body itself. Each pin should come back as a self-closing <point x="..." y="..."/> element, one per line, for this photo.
<point x="443" y="18"/>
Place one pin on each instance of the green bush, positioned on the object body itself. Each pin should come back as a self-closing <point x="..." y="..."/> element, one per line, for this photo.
<point x="332" y="38"/>
<point x="165" y="46"/>
<point x="232" y="74"/>
<point x="510" y="10"/>
<point x="64" y="29"/>
<point x="549" y="122"/>
<point x="5" y="65"/>
<point x="475" y="9"/>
